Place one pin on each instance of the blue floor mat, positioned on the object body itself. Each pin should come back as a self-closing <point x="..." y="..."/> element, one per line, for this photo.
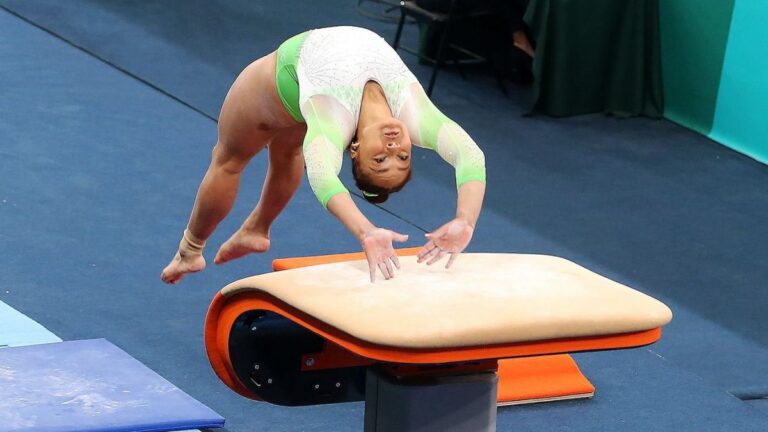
<point x="100" y="174"/>
<point x="637" y="391"/>
<point x="117" y="164"/>
<point x="760" y="404"/>
<point x="88" y="386"/>
<point x="161" y="30"/>
<point x="718" y="354"/>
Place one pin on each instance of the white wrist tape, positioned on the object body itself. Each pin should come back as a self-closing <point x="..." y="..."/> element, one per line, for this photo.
<point x="191" y="245"/>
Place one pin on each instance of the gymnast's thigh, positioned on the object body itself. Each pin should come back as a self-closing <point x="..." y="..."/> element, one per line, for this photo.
<point x="252" y="114"/>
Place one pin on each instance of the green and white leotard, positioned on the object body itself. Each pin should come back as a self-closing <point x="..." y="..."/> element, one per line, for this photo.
<point x="321" y="75"/>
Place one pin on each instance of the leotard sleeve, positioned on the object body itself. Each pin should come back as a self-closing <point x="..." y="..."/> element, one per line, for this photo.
<point x="432" y="129"/>
<point x="329" y="131"/>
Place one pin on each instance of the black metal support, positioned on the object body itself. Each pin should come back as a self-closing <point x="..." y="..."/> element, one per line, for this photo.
<point x="266" y="351"/>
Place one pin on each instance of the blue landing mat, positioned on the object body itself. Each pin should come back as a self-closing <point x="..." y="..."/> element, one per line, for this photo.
<point x="91" y="385"/>
<point x="16" y="329"/>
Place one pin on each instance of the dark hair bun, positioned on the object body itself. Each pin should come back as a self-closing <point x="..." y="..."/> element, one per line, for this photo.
<point x="376" y="198"/>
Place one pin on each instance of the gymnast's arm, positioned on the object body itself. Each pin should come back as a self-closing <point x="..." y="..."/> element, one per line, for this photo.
<point x="435" y="131"/>
<point x="329" y="127"/>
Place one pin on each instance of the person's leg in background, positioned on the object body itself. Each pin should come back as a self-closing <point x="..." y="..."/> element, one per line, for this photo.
<point x="513" y="11"/>
<point x="516" y="51"/>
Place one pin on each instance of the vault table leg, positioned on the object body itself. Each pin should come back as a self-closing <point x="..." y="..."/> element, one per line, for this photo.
<point x="464" y="403"/>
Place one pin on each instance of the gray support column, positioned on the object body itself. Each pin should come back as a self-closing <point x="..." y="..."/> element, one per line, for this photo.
<point x="465" y="403"/>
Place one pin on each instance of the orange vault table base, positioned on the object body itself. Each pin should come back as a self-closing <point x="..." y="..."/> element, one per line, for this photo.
<point x="430" y="350"/>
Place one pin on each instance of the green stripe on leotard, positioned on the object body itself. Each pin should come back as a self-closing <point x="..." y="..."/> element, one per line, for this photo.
<point x="285" y="74"/>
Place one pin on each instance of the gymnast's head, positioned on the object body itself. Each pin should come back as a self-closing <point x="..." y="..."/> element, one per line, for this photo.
<point x="381" y="159"/>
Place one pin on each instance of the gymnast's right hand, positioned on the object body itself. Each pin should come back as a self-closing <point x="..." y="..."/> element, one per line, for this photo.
<point x="377" y="245"/>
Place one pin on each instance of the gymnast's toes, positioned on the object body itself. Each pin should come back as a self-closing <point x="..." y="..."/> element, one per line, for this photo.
<point x="240" y="244"/>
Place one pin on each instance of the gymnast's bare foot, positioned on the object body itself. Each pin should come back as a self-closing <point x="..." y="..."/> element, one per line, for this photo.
<point x="181" y="265"/>
<point x="242" y="243"/>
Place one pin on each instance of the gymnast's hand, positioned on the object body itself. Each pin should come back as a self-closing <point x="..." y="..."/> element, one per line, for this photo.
<point x="450" y="239"/>
<point x="377" y="245"/>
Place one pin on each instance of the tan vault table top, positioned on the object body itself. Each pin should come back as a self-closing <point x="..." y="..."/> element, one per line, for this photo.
<point x="483" y="299"/>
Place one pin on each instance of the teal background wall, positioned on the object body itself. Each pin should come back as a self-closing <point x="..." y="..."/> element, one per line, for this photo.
<point x="694" y="34"/>
<point x="741" y="115"/>
<point x="715" y="70"/>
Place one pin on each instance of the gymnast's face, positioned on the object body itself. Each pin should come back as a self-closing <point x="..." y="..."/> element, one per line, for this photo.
<point x="383" y="152"/>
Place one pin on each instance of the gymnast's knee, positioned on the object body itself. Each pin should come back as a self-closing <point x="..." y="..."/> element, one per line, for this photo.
<point x="226" y="161"/>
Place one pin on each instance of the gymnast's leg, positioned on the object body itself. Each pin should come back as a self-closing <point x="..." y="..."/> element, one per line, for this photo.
<point x="214" y="200"/>
<point x="284" y="175"/>
<point x="246" y="125"/>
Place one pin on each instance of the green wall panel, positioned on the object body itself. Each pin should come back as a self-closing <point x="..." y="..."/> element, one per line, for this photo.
<point x="693" y="40"/>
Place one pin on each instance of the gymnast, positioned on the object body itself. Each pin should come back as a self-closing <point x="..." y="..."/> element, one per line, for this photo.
<point x="324" y="92"/>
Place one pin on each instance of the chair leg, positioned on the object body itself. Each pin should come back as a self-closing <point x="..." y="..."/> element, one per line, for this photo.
<point x="459" y="67"/>
<point x="441" y="48"/>
<point x="400" y="25"/>
<point x="500" y="82"/>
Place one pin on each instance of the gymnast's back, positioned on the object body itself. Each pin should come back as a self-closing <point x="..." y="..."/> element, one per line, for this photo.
<point x="339" y="61"/>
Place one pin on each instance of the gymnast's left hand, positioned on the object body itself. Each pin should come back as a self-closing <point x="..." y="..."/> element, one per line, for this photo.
<point x="450" y="239"/>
